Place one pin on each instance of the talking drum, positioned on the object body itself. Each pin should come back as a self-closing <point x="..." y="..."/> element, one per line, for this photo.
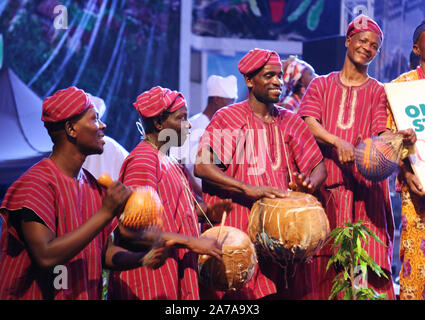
<point x="143" y="208"/>
<point x="288" y="229"/>
<point x="376" y="158"/>
<point x="239" y="260"/>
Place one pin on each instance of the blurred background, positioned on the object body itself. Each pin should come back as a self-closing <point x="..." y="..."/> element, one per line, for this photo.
<point x="116" y="49"/>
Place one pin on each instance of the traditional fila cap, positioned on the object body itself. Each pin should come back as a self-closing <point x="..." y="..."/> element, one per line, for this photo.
<point x="156" y="100"/>
<point x="363" y="23"/>
<point x="256" y="59"/>
<point x="222" y="87"/>
<point x="65" y="104"/>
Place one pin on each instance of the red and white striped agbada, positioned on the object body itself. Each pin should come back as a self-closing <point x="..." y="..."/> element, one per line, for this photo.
<point x="63" y="204"/>
<point x="65" y="104"/>
<point x="257" y="153"/>
<point x="157" y="100"/>
<point x="353" y="114"/>
<point x="177" y="278"/>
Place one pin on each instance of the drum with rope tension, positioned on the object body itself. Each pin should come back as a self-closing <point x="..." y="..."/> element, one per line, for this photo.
<point x="289" y="229"/>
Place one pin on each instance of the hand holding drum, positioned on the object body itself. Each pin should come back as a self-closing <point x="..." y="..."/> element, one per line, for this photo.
<point x="142" y="210"/>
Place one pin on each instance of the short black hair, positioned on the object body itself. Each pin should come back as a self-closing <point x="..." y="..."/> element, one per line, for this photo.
<point x="149" y="123"/>
<point x="252" y="74"/>
<point x="54" y="127"/>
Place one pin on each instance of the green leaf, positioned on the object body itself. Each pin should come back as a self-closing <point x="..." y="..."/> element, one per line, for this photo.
<point x="349" y="254"/>
<point x="373" y="235"/>
<point x="339" y="286"/>
<point x="372" y="265"/>
<point x="332" y="235"/>
<point x="348" y="294"/>
<point x="330" y="262"/>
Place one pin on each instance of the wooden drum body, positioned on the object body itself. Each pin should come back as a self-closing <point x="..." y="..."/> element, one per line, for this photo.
<point x="239" y="260"/>
<point x="288" y="229"/>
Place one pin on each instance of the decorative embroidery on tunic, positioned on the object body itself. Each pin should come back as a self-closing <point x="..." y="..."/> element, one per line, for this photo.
<point x="276" y="165"/>
<point x="350" y="121"/>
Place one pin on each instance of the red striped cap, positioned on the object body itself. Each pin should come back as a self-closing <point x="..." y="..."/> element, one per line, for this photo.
<point x="364" y="23"/>
<point x="156" y="100"/>
<point x="256" y="59"/>
<point x="65" y="104"/>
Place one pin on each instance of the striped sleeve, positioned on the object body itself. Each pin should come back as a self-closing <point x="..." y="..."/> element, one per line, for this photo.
<point x="303" y="145"/>
<point x="379" y="111"/>
<point x="33" y="191"/>
<point x="312" y="102"/>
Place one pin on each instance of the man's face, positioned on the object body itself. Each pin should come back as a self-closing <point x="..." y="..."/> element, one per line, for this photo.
<point x="89" y="133"/>
<point x="177" y="121"/>
<point x="362" y="47"/>
<point x="267" y="84"/>
<point x="419" y="47"/>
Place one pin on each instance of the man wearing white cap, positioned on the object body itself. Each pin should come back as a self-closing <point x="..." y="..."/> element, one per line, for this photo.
<point x="113" y="155"/>
<point x="222" y="91"/>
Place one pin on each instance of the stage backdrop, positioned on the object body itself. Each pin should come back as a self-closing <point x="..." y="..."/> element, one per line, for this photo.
<point x="114" y="49"/>
<point x="266" y="19"/>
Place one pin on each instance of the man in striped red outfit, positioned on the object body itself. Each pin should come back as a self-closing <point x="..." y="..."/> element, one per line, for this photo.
<point x="58" y="219"/>
<point x="256" y="149"/>
<point x="165" y="124"/>
<point x="342" y="109"/>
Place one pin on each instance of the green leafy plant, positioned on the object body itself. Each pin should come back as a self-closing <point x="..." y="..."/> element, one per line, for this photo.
<point x="105" y="283"/>
<point x="353" y="261"/>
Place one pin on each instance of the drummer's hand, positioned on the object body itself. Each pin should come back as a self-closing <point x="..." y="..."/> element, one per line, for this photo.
<point x="216" y="210"/>
<point x="258" y="192"/>
<point x="409" y="136"/>
<point x="302" y="183"/>
<point x="157" y="256"/>
<point x="205" y="245"/>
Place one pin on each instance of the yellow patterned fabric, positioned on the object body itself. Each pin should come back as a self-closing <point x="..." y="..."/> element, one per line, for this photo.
<point x="412" y="239"/>
<point x="412" y="247"/>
